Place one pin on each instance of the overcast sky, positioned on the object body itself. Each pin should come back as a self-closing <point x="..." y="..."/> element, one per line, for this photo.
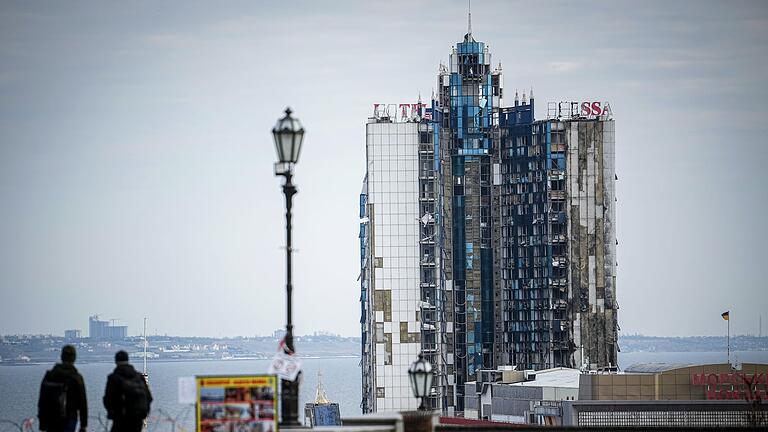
<point x="136" y="157"/>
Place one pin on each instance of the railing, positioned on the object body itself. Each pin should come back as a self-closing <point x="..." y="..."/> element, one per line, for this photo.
<point x="558" y="238"/>
<point x="557" y="195"/>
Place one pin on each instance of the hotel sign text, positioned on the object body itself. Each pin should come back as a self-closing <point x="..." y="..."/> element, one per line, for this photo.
<point x="576" y="110"/>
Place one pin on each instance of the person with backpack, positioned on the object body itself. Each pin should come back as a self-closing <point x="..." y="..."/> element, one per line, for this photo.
<point x="127" y="397"/>
<point x="62" y="396"/>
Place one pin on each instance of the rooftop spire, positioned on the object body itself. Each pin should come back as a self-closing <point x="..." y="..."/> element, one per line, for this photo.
<point x="468" y="37"/>
<point x="469" y="19"/>
<point x="320" y="396"/>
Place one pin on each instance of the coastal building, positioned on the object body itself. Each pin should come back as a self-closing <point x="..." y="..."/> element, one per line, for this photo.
<point x="487" y="237"/>
<point x="100" y="329"/>
<point x="72" y="334"/>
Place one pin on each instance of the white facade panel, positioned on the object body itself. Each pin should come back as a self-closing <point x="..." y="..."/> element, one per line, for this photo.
<point x="392" y="151"/>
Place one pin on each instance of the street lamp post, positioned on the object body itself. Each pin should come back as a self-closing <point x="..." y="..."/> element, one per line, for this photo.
<point x="288" y="134"/>
<point x="420" y="374"/>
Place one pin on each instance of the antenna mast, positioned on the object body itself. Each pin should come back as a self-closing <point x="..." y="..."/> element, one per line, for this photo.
<point x="469" y="19"/>
<point x="145" y="346"/>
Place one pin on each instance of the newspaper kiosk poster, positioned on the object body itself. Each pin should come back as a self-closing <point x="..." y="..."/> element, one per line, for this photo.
<point x="237" y="403"/>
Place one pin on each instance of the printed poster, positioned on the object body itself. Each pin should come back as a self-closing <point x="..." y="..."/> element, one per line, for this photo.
<point x="237" y="403"/>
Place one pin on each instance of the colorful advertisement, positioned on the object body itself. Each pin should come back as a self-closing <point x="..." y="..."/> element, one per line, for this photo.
<point x="245" y="403"/>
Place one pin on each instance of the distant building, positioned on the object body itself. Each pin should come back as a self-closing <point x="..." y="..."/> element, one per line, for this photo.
<point x="73" y="334"/>
<point x="278" y="334"/>
<point x="98" y="329"/>
<point x="117" y="332"/>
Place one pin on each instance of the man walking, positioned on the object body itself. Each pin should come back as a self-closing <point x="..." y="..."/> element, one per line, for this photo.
<point x="62" y="396"/>
<point x="127" y="397"/>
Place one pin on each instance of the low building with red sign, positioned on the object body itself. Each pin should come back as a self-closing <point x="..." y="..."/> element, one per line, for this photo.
<point x="646" y="394"/>
<point x="672" y="382"/>
<point x="657" y="394"/>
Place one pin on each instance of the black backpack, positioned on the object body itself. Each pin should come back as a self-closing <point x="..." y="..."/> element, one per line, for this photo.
<point x="135" y="398"/>
<point x="53" y="401"/>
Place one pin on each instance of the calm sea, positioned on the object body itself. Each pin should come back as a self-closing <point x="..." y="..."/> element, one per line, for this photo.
<point x="19" y="386"/>
<point x="341" y="377"/>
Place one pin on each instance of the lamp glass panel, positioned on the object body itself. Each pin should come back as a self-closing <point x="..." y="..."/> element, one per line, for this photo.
<point x="278" y="148"/>
<point x="284" y="141"/>
<point x="297" y="141"/>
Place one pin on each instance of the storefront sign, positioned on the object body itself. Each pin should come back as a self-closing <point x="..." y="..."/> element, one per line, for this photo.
<point x="733" y="385"/>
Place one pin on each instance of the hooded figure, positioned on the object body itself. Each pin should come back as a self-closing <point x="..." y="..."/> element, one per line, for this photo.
<point x="62" y="396"/>
<point x="127" y="397"/>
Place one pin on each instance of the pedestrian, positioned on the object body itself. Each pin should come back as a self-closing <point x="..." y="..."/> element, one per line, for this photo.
<point x="127" y="397"/>
<point x="62" y="396"/>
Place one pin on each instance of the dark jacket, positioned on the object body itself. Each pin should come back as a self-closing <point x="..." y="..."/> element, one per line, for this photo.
<point x="113" y="395"/>
<point x="76" y="402"/>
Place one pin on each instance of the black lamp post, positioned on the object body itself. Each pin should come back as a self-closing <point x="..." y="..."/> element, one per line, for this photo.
<point x="420" y="374"/>
<point x="288" y="134"/>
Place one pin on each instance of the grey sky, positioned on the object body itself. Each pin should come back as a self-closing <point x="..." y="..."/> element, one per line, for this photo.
<point x="136" y="159"/>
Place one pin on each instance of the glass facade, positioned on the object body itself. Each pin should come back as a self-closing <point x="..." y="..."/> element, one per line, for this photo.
<point x="487" y="238"/>
<point x="469" y="97"/>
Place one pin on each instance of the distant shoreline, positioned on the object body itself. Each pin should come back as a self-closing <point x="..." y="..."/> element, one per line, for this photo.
<point x="175" y="360"/>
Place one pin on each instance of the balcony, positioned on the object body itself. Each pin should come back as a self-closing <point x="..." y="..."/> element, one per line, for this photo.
<point x="557" y="148"/>
<point x="428" y="261"/>
<point x="426" y="148"/>
<point x="558" y="238"/>
<point x="560" y="282"/>
<point x="427" y="175"/>
<point x="557" y="195"/>
<point x="557" y="217"/>
<point x="427" y="196"/>
<point x="428" y="347"/>
<point x="555" y="174"/>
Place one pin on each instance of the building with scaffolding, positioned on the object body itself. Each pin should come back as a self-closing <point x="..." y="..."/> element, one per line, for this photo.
<point x="486" y="238"/>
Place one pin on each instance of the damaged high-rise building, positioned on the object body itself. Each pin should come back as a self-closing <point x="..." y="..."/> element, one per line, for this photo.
<point x="557" y="239"/>
<point x="487" y="237"/>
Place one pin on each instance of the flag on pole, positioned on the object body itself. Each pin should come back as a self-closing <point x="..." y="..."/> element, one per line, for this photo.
<point x="725" y="315"/>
